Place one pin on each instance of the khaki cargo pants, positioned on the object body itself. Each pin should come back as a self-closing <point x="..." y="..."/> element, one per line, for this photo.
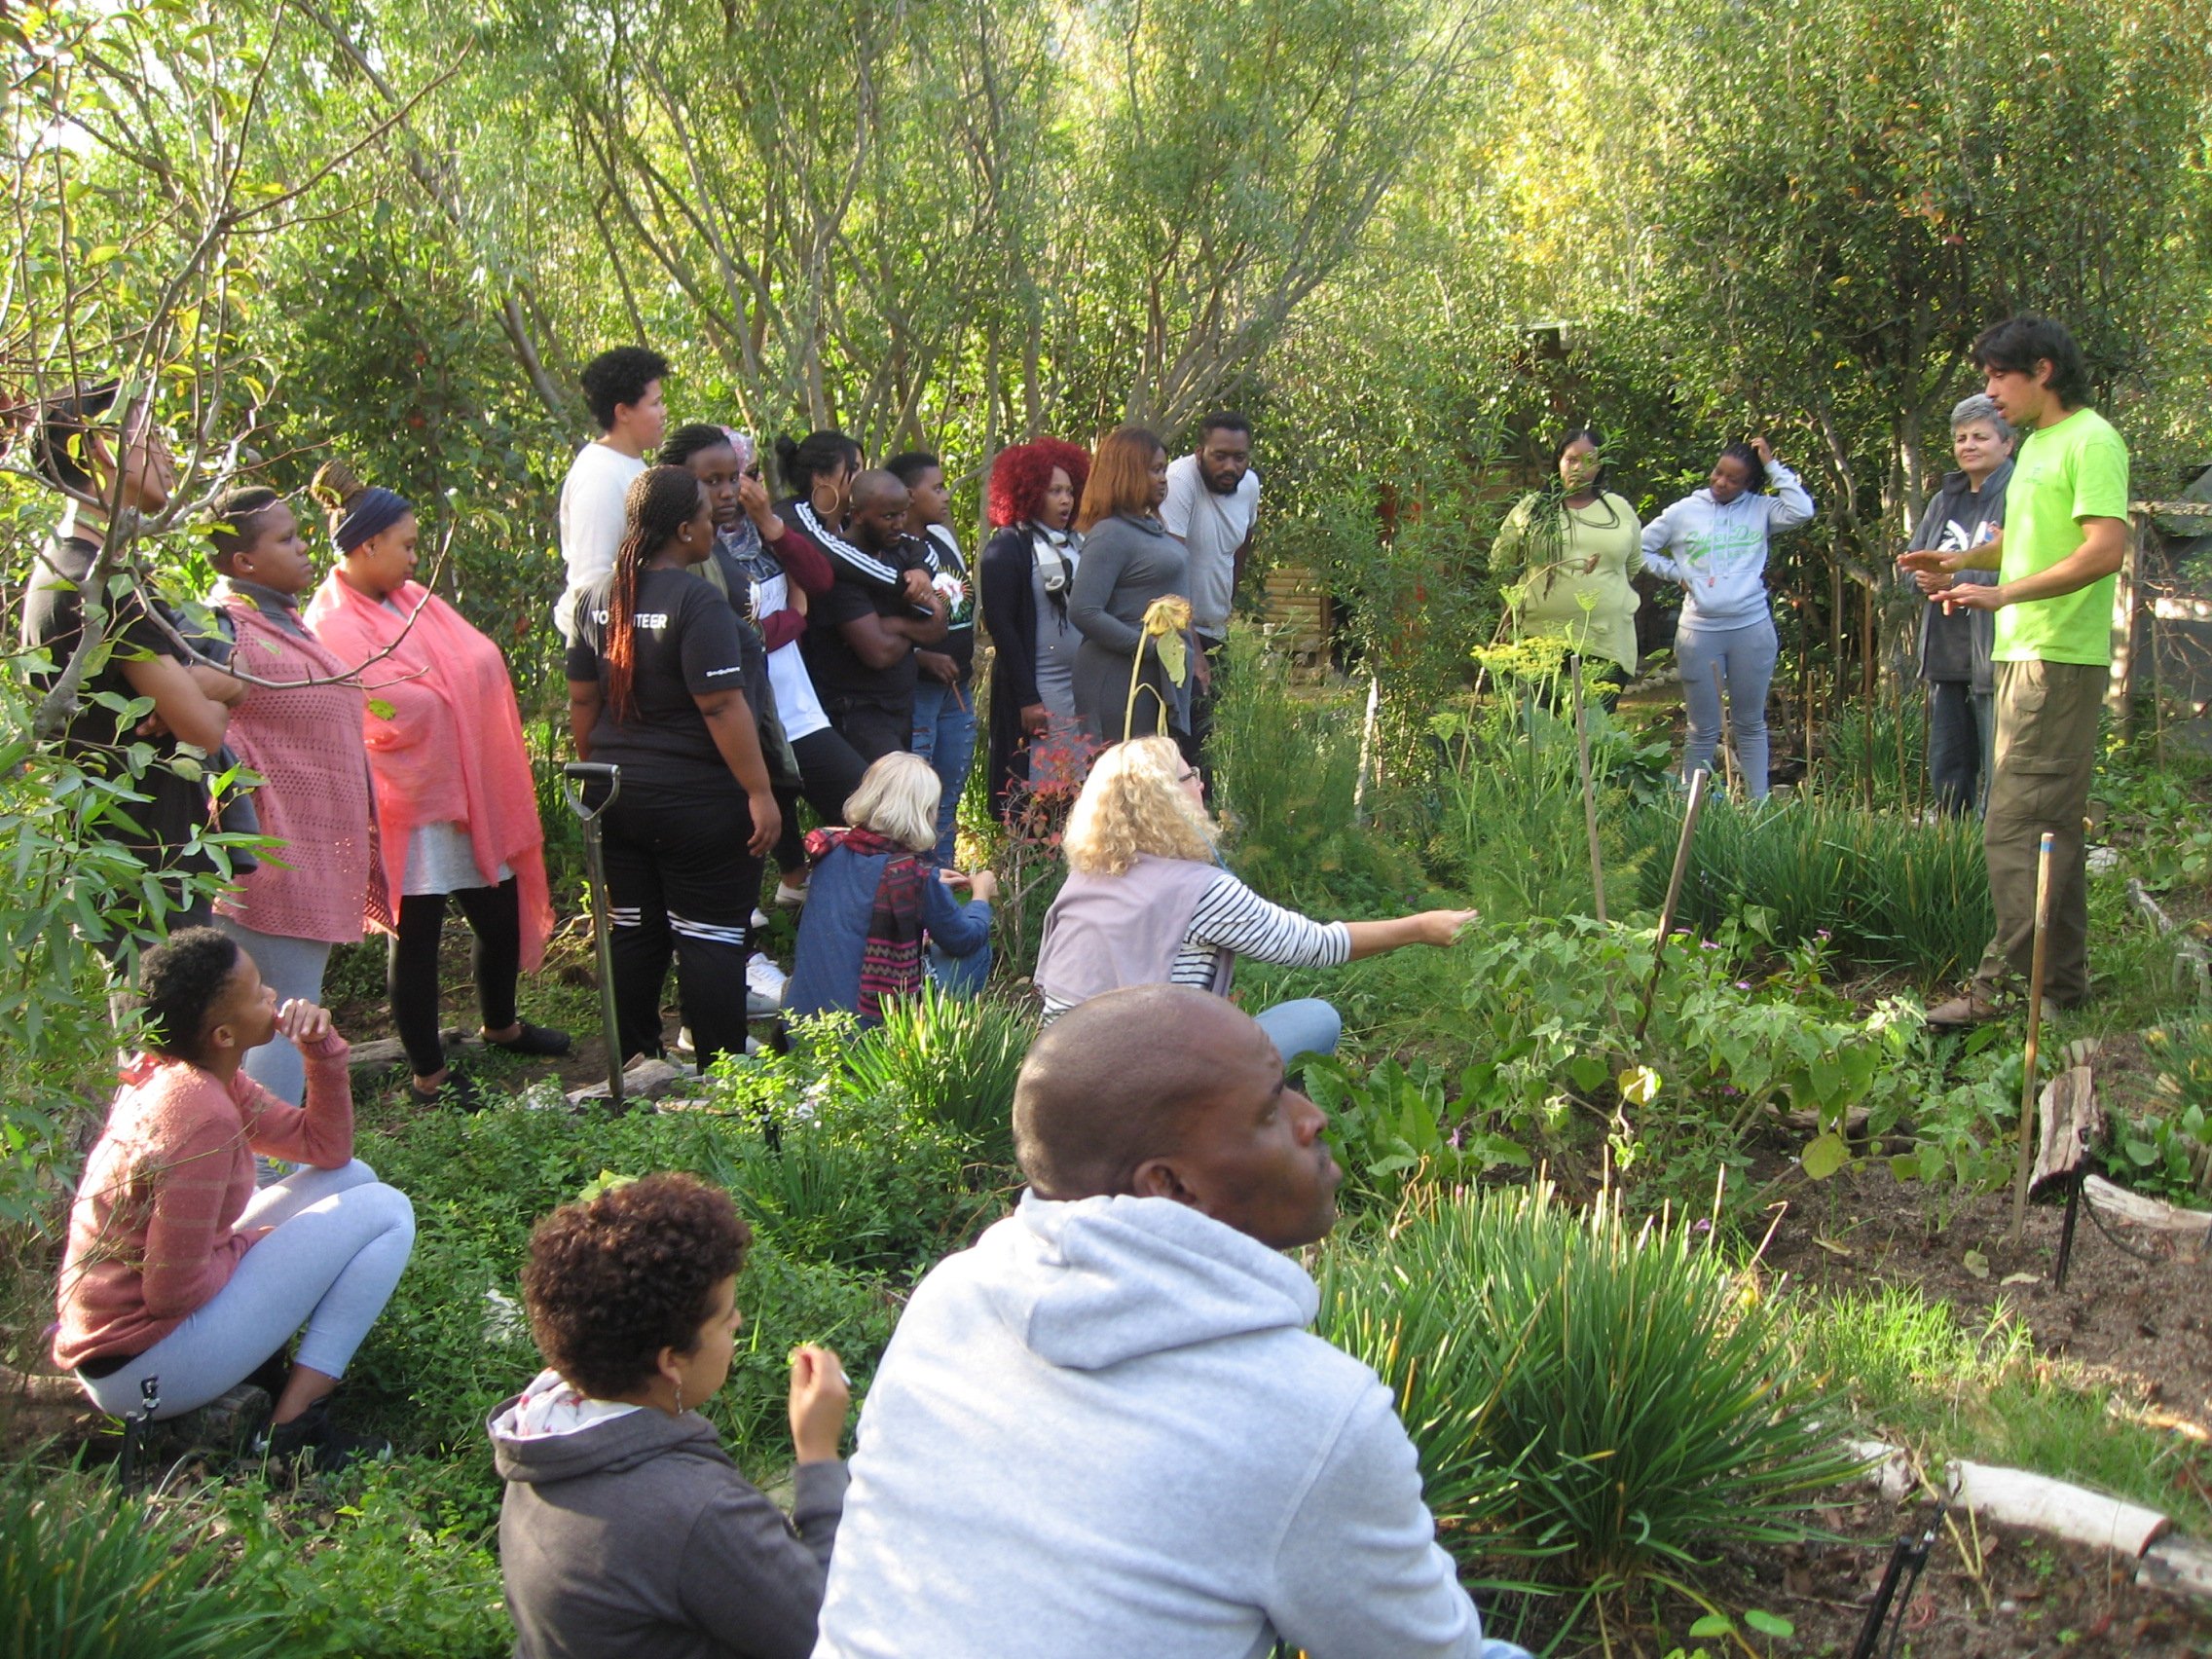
<point x="2046" y="754"/>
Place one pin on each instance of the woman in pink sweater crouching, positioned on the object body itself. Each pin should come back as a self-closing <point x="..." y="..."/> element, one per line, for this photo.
<point x="180" y="1279"/>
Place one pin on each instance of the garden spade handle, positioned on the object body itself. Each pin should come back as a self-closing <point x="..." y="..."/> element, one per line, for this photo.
<point x="573" y="775"/>
<point x="1698" y="780"/>
<point x="2026" y="1157"/>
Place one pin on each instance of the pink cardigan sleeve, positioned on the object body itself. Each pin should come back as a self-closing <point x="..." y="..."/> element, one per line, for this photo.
<point x="321" y="1132"/>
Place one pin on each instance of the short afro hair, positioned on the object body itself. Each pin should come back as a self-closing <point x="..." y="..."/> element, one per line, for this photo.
<point x="614" y="1279"/>
<point x="1021" y="476"/>
<point x="620" y="376"/>
<point x="179" y="983"/>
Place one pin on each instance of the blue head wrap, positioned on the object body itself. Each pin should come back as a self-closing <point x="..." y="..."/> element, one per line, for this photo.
<point x="374" y="511"/>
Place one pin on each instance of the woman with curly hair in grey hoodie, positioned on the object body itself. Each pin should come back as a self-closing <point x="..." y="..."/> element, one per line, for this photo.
<point x="627" y="1532"/>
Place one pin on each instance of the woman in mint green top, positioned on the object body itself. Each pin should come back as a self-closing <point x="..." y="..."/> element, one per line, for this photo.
<point x="1571" y="552"/>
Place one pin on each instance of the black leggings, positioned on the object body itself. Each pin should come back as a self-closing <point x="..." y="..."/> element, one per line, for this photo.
<point x="411" y="970"/>
<point x="833" y="770"/>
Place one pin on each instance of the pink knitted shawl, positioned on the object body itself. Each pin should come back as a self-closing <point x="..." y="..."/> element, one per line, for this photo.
<point x="306" y="743"/>
<point x="444" y="735"/>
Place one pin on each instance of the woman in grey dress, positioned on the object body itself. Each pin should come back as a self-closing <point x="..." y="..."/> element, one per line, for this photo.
<point x="1129" y="561"/>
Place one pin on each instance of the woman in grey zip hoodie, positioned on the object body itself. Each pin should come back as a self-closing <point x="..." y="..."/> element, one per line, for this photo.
<point x="626" y="1531"/>
<point x="1714" y="543"/>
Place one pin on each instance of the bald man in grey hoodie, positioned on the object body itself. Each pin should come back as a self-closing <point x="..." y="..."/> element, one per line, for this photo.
<point x="1106" y="1428"/>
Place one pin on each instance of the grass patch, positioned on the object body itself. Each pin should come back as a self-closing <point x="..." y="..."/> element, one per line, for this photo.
<point x="1917" y="1371"/>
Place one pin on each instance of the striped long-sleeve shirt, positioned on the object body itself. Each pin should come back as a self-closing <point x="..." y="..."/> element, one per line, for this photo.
<point x="1231" y="918"/>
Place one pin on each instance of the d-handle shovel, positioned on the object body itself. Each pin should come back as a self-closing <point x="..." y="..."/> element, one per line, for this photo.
<point x="574" y="775"/>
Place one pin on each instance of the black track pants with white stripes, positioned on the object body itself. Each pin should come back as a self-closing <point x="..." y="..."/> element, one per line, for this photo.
<point x="679" y="882"/>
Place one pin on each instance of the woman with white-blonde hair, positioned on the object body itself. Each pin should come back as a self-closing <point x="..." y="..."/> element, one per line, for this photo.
<point x="879" y="914"/>
<point x="1147" y="902"/>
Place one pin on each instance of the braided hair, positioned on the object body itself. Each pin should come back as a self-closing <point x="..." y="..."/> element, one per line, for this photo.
<point x="660" y="502"/>
<point x="1755" y="469"/>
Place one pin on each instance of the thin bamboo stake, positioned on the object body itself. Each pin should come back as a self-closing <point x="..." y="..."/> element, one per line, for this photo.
<point x="1367" y="756"/>
<point x="1727" y="733"/>
<point x="2026" y="1156"/>
<point x="1589" y="801"/>
<point x="1698" y="780"/>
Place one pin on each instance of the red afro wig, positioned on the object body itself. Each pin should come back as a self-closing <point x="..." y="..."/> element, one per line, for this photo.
<point x="1020" y="476"/>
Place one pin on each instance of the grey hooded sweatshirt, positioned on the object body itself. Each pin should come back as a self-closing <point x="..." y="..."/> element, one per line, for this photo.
<point x="1105" y="1430"/>
<point x="627" y="1533"/>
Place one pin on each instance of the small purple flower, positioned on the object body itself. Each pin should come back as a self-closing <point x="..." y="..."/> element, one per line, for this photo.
<point x="1743" y="984"/>
<point x="1702" y="1224"/>
<point x="1823" y="934"/>
<point x="1707" y="944"/>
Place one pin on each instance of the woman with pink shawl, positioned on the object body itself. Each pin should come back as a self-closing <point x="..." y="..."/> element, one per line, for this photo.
<point x="456" y="802"/>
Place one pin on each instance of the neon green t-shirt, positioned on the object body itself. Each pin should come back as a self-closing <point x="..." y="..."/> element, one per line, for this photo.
<point x="2063" y="474"/>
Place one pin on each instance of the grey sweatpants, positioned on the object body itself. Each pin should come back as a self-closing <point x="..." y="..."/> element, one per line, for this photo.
<point x="341" y="1239"/>
<point x="1744" y="658"/>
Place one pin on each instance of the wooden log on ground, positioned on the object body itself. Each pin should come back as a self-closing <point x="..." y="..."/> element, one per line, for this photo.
<point x="2073" y="1128"/>
<point x="2147" y="1223"/>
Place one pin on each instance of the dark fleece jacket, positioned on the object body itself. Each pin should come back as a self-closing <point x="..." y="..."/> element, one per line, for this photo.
<point x="637" y="1538"/>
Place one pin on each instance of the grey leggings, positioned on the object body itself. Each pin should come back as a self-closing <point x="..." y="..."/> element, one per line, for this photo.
<point x="1744" y="658"/>
<point x="341" y="1239"/>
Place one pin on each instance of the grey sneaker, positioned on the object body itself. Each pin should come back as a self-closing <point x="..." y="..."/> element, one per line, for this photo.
<point x="312" y="1435"/>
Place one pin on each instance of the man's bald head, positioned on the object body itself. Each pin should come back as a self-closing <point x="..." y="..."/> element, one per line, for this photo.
<point x="876" y="514"/>
<point x="1110" y="1081"/>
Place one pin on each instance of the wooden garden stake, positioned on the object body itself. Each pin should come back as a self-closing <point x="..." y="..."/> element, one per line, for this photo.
<point x="1727" y="732"/>
<point x="1367" y="754"/>
<point x="2034" y="1033"/>
<point x="1589" y="801"/>
<point x="1697" y="781"/>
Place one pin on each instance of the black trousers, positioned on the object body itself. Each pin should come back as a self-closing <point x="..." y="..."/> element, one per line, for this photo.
<point x="681" y="885"/>
<point x="411" y="966"/>
<point x="831" y="770"/>
<point x="873" y="729"/>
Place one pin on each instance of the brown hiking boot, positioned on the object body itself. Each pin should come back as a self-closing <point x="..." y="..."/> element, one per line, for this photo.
<point x="1969" y="1007"/>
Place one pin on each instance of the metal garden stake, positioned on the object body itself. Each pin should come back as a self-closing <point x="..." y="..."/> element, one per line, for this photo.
<point x="1697" y="781"/>
<point x="2035" y="1034"/>
<point x="574" y="775"/>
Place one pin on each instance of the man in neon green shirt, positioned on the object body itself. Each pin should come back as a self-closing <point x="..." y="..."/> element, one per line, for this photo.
<point x="2065" y="534"/>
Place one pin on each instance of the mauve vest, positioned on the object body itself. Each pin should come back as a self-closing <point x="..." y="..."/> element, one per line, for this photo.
<point x="1106" y="932"/>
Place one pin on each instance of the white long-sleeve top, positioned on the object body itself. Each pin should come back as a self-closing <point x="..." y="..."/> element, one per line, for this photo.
<point x="1718" y="553"/>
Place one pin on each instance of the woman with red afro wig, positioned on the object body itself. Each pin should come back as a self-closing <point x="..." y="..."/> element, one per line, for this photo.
<point x="1025" y="573"/>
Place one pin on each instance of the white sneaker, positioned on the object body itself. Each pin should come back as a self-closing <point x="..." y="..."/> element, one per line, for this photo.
<point x="788" y="897"/>
<point x="760" y="918"/>
<point x="764" y="985"/>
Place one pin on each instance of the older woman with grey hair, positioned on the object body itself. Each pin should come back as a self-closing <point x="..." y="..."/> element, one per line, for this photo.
<point x="1955" y="642"/>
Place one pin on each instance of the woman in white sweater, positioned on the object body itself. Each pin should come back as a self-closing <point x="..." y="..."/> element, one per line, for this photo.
<point x="1714" y="543"/>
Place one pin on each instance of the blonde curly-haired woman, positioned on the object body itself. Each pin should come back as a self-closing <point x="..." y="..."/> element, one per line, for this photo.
<point x="1147" y="902"/>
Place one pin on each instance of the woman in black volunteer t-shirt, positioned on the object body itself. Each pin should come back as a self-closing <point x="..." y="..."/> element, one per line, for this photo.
<point x="656" y="686"/>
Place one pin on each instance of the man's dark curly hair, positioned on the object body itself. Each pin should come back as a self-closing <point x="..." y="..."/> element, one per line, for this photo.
<point x="1020" y="476"/>
<point x="179" y="983"/>
<point x="612" y="1281"/>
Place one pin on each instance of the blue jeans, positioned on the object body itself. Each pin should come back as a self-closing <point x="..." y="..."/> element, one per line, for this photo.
<point x="944" y="735"/>
<point x="1744" y="658"/>
<point x="1306" y="1026"/>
